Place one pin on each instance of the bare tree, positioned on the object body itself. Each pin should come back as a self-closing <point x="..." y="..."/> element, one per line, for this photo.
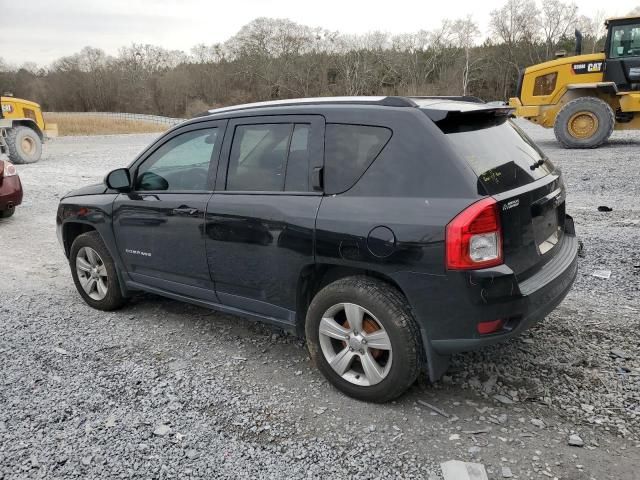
<point x="202" y="53"/>
<point x="278" y="58"/>
<point x="464" y="32"/>
<point x="593" y="29"/>
<point x="557" y="18"/>
<point x="513" y="24"/>
<point x="415" y="65"/>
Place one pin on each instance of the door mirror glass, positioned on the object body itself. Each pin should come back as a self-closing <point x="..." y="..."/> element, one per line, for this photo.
<point x="152" y="181"/>
<point x="119" y="179"/>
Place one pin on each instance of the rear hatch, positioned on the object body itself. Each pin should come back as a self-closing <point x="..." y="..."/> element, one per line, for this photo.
<point x="514" y="171"/>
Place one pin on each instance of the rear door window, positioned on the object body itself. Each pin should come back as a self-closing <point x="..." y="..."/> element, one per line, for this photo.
<point x="499" y="152"/>
<point x="270" y="158"/>
<point x="349" y="151"/>
<point x="258" y="157"/>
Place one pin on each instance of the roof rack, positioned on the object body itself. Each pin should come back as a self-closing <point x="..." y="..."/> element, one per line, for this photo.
<point x="388" y="101"/>
<point x="455" y="98"/>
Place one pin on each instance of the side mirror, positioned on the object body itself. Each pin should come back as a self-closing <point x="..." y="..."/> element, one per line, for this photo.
<point x="119" y="179"/>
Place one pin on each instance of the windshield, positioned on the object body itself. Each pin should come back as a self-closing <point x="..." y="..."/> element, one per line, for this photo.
<point x="625" y="41"/>
<point x="498" y="151"/>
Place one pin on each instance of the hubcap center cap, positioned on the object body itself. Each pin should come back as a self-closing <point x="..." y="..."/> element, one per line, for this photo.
<point x="355" y="342"/>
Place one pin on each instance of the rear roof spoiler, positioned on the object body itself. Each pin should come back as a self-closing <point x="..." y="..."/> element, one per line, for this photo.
<point x="439" y="115"/>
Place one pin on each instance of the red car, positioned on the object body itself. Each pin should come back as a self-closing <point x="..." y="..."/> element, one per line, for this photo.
<point x="10" y="189"/>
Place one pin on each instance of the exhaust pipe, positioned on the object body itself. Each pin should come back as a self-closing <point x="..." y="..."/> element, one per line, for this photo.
<point x="578" y="42"/>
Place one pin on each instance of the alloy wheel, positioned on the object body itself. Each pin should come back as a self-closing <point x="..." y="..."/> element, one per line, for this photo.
<point x="92" y="273"/>
<point x="355" y="344"/>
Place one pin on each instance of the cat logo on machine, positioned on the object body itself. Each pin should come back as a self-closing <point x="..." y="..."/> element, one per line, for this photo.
<point x="587" y="67"/>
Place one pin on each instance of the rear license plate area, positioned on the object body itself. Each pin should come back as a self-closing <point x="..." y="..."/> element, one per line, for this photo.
<point x="547" y="216"/>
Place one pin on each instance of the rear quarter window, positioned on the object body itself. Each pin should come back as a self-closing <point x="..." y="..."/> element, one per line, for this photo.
<point x="349" y="151"/>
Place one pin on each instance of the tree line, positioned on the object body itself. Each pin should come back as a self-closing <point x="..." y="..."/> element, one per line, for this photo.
<point x="277" y="58"/>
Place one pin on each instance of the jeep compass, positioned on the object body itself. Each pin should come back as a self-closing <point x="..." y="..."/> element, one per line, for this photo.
<point x="390" y="232"/>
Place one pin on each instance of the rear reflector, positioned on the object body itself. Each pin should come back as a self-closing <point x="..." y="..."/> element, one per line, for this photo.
<point x="485" y="328"/>
<point x="474" y="237"/>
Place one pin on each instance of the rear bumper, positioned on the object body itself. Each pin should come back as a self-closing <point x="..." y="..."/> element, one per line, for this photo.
<point x="449" y="308"/>
<point x="10" y="192"/>
<point x="534" y="299"/>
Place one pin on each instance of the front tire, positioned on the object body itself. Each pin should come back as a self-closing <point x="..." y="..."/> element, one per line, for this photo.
<point x="586" y="122"/>
<point x="362" y="337"/>
<point x="8" y="212"/>
<point x="24" y="145"/>
<point x="94" y="273"/>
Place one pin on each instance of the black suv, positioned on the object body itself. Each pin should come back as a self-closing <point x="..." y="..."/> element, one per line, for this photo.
<point x="390" y="231"/>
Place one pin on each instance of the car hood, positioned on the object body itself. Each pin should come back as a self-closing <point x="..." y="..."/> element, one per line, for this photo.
<point x="95" y="189"/>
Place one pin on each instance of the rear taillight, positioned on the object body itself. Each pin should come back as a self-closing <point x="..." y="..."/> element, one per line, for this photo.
<point x="474" y="237"/>
<point x="9" y="169"/>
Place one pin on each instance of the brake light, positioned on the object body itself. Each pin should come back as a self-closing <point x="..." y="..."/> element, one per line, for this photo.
<point x="474" y="237"/>
<point x="9" y="169"/>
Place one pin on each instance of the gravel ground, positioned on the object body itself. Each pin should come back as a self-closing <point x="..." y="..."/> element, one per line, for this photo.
<point x="164" y="390"/>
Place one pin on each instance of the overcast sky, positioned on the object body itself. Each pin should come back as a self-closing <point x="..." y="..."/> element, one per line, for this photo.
<point x="42" y="30"/>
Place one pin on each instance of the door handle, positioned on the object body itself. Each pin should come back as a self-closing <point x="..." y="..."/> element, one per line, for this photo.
<point x="185" y="211"/>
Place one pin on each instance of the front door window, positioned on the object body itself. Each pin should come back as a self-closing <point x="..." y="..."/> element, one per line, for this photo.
<point x="181" y="164"/>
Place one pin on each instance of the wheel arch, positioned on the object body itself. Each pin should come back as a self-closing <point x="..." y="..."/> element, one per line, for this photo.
<point x="314" y="277"/>
<point x="27" y="122"/>
<point x="71" y="231"/>
<point x="602" y="92"/>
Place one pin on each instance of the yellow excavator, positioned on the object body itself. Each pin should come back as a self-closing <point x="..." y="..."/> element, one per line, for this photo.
<point x="22" y="129"/>
<point x="585" y="97"/>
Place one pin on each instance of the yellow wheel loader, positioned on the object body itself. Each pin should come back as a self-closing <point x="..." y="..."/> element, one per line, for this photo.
<point x="22" y="130"/>
<point x="585" y="97"/>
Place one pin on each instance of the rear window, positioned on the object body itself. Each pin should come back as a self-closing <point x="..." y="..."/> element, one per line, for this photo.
<point x="349" y="150"/>
<point x="498" y="151"/>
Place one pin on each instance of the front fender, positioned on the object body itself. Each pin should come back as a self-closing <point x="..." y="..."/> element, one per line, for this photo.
<point x="83" y="213"/>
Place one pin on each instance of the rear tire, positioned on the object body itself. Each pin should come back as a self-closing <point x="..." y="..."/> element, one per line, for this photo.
<point x="367" y="373"/>
<point x="94" y="273"/>
<point x="586" y="122"/>
<point x="24" y="145"/>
